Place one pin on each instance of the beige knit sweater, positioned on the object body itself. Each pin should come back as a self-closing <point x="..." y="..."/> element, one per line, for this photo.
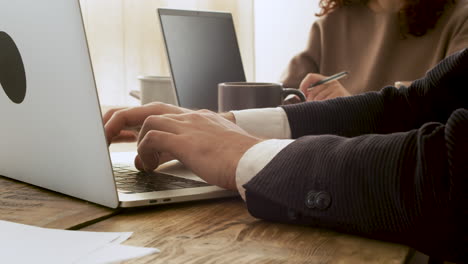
<point x="369" y="45"/>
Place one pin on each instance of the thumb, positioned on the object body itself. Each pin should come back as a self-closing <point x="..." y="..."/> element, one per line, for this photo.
<point x="163" y="158"/>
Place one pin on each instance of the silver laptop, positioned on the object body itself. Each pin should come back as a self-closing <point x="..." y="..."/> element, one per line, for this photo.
<point x="51" y="130"/>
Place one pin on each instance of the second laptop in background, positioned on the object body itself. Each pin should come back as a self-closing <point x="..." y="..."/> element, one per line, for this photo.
<point x="203" y="51"/>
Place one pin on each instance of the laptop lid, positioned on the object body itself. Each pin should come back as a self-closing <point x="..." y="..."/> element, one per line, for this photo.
<point x="203" y="51"/>
<point x="51" y="131"/>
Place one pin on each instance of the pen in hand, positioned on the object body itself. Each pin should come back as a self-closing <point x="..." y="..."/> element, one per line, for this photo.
<point x="329" y="79"/>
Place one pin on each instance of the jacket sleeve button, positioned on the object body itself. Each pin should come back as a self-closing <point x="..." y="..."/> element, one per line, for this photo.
<point x="318" y="200"/>
<point x="322" y="200"/>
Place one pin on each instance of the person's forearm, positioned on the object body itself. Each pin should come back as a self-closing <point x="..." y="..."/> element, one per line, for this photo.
<point x="430" y="99"/>
<point x="397" y="187"/>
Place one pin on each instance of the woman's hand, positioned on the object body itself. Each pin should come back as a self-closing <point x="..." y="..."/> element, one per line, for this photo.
<point x="325" y="91"/>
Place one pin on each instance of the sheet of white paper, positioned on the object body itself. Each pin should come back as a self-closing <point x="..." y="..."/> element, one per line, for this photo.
<point x="28" y="244"/>
<point x="116" y="254"/>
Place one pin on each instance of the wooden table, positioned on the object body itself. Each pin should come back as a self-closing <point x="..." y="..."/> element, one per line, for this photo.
<point x="215" y="231"/>
<point x="26" y="204"/>
<point x="222" y="231"/>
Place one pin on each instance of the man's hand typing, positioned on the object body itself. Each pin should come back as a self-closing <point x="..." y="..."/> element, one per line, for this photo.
<point x="208" y="143"/>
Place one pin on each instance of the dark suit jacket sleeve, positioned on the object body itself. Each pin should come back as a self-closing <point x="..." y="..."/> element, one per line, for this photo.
<point x="390" y="165"/>
<point x="432" y="98"/>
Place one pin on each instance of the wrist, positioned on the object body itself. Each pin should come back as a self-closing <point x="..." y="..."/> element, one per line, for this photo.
<point x="242" y="146"/>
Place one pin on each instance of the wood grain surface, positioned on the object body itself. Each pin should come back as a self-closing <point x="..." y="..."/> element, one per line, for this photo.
<point x="222" y="231"/>
<point x="27" y="204"/>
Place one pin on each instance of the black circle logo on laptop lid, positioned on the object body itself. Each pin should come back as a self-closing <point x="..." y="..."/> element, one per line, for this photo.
<point x="12" y="74"/>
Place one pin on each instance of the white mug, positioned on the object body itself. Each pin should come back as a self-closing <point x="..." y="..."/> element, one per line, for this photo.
<point x="155" y="89"/>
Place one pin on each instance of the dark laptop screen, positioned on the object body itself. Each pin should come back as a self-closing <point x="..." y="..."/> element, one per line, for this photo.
<point x="203" y="51"/>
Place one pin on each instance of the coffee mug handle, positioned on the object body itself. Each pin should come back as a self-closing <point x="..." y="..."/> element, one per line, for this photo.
<point x="299" y="93"/>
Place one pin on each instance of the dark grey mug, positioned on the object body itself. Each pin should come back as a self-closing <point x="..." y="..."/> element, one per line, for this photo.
<point x="247" y="95"/>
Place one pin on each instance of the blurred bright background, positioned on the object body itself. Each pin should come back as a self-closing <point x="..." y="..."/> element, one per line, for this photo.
<point x="125" y="38"/>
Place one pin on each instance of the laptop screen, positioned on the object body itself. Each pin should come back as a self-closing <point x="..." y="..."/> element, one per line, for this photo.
<point x="203" y="51"/>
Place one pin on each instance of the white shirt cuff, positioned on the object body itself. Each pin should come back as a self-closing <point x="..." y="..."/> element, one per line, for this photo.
<point x="255" y="159"/>
<point x="264" y="122"/>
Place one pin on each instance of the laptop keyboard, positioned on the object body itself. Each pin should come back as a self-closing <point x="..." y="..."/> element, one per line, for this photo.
<point x="130" y="180"/>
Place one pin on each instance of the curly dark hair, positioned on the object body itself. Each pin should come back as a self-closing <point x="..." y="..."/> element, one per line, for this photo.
<point x="416" y="17"/>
